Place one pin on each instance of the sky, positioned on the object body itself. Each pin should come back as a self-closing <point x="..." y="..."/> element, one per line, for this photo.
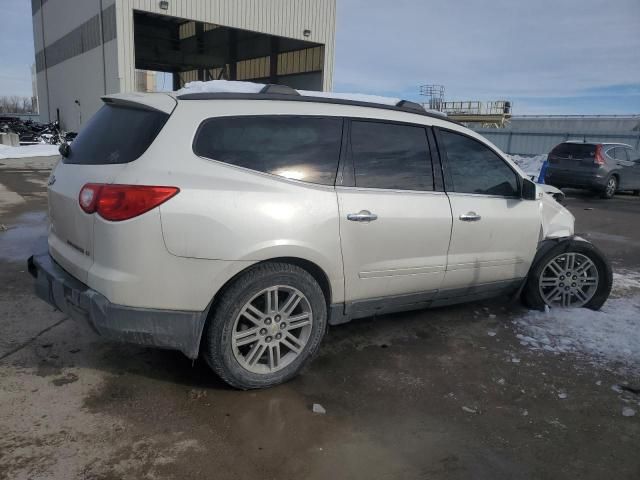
<point x="546" y="56"/>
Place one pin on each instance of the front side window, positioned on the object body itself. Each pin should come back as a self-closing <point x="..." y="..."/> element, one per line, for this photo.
<point x="391" y="156"/>
<point x="300" y="148"/>
<point x="475" y="168"/>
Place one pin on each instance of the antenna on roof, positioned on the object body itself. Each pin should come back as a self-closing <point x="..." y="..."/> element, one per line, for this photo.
<point x="278" y="89"/>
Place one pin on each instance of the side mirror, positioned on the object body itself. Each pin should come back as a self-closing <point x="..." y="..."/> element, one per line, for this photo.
<point x="528" y="190"/>
<point x="64" y="149"/>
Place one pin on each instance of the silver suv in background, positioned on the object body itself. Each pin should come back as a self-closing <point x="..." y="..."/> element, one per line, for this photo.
<point x="605" y="168"/>
<point x="236" y="226"/>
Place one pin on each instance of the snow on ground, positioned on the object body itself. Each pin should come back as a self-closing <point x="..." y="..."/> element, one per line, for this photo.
<point x="608" y="338"/>
<point x="531" y="165"/>
<point x="40" y="150"/>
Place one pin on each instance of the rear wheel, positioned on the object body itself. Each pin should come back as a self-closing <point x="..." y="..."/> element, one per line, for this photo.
<point x="611" y="187"/>
<point x="574" y="273"/>
<point x="266" y="326"/>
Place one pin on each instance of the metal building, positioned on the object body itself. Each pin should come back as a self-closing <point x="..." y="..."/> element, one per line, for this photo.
<point x="537" y="134"/>
<point x="89" y="48"/>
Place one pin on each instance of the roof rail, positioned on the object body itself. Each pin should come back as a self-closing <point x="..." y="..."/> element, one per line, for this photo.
<point x="412" y="106"/>
<point x="278" y="89"/>
<point x="314" y="99"/>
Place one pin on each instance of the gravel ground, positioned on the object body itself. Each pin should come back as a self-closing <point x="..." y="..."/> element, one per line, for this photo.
<point x="451" y="393"/>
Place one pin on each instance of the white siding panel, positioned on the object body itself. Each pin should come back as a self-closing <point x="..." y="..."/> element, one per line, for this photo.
<point x="62" y="16"/>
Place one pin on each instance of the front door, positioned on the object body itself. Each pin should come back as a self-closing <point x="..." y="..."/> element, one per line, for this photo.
<point x="495" y="233"/>
<point x="394" y="227"/>
<point x="629" y="163"/>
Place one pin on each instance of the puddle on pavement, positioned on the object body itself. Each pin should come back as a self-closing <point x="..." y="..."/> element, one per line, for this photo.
<point x="24" y="236"/>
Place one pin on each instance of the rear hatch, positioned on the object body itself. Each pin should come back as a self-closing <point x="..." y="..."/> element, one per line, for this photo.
<point x="119" y="133"/>
<point x="574" y="157"/>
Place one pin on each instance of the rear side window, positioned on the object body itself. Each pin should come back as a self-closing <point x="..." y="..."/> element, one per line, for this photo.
<point x="391" y="156"/>
<point x="475" y="168"/>
<point x="300" y="148"/>
<point x="574" y="150"/>
<point x="116" y="135"/>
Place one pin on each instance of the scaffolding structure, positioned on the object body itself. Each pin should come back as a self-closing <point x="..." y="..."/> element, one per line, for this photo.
<point x="494" y="114"/>
<point x="435" y="96"/>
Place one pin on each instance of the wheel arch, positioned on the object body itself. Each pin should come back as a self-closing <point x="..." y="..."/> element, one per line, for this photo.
<point x="310" y="267"/>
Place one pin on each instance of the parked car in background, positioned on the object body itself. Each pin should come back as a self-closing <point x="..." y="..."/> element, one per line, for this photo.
<point x="237" y="226"/>
<point x="605" y="168"/>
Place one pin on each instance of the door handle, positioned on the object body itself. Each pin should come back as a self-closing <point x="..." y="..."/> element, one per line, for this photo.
<point x="470" y="217"/>
<point x="362" y="216"/>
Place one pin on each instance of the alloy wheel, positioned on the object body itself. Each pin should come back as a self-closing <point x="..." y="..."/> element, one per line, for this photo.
<point x="569" y="280"/>
<point x="272" y="329"/>
<point x="611" y="187"/>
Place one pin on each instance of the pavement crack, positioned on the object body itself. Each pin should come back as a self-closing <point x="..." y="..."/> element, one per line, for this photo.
<point x="32" y="339"/>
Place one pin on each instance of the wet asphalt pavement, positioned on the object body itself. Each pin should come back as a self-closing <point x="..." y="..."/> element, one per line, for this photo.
<point x="434" y="394"/>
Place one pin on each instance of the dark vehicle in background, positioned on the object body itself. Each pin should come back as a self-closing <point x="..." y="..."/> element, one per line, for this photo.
<point x="605" y="168"/>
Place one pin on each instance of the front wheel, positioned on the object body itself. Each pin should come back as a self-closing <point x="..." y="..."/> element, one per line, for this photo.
<point x="266" y="326"/>
<point x="573" y="273"/>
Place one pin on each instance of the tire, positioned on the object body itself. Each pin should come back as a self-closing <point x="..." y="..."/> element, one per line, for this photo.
<point x="610" y="188"/>
<point x="636" y="193"/>
<point x="233" y="362"/>
<point x="532" y="295"/>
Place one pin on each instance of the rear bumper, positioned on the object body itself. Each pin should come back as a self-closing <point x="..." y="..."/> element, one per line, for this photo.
<point x="559" y="178"/>
<point x="172" y="329"/>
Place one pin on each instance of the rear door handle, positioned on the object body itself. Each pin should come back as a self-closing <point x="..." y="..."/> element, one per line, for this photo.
<point x="470" y="217"/>
<point x="362" y="216"/>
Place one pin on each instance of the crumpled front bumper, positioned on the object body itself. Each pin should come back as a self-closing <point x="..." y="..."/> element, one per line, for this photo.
<point x="172" y="329"/>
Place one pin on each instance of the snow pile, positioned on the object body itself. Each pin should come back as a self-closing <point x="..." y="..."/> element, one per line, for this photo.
<point x="609" y="337"/>
<point x="226" y="86"/>
<point x="41" y="150"/>
<point x="530" y="165"/>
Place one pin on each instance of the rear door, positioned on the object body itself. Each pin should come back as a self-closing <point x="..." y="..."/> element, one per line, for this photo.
<point x="495" y="233"/>
<point x="394" y="226"/>
<point x="116" y="135"/>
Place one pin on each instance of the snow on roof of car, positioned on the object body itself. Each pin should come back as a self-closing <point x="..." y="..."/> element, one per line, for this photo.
<point x="354" y="97"/>
<point x="226" y="86"/>
<point x="220" y="86"/>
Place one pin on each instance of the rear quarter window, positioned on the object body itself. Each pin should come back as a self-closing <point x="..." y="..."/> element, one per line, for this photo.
<point x="298" y="148"/>
<point x="116" y="134"/>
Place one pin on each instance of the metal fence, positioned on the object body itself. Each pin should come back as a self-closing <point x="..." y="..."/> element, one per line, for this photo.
<point x="535" y="143"/>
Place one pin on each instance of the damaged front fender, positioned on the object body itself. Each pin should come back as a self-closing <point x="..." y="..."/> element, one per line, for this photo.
<point x="557" y="221"/>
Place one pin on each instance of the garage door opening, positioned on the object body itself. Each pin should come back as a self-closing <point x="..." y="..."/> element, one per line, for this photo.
<point x="189" y="51"/>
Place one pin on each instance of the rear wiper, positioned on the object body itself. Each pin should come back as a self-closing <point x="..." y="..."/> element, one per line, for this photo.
<point x="64" y="149"/>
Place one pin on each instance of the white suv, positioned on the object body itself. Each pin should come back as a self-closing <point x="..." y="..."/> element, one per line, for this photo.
<point x="236" y="226"/>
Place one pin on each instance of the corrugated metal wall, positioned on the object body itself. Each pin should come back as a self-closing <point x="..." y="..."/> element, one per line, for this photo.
<point x="286" y="18"/>
<point x="537" y="135"/>
<point x="75" y="57"/>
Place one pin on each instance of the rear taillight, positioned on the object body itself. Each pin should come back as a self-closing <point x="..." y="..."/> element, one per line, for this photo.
<point x="598" y="159"/>
<point x="122" y="202"/>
